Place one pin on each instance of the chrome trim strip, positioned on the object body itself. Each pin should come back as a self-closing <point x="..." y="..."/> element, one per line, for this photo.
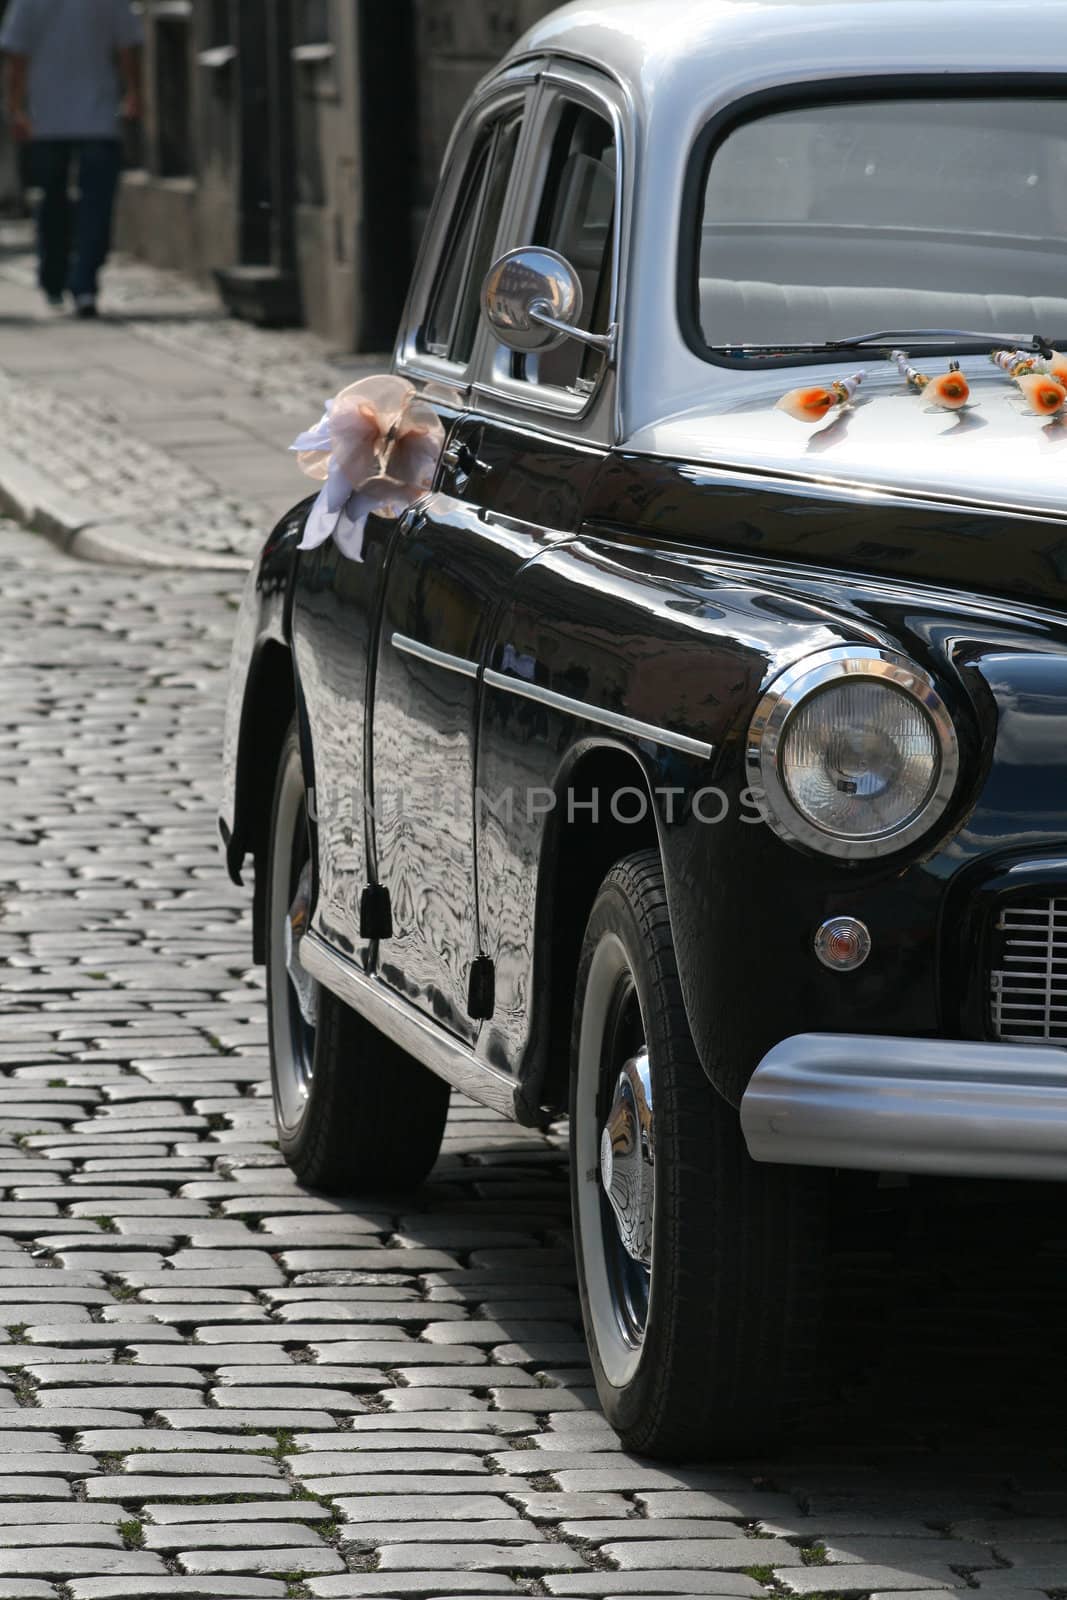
<point x="607" y="719"/>
<point x="436" y="658"/>
<point x="910" y="1105"/>
<point x="427" y="1041"/>
<point x="528" y="397"/>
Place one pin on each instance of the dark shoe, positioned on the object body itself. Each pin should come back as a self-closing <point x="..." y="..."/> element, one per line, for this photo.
<point x="85" y="305"/>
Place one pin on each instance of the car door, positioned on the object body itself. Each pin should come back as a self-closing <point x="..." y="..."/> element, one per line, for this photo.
<point x="579" y="208"/>
<point x="446" y="568"/>
<point x="511" y="486"/>
<point x="338" y="602"/>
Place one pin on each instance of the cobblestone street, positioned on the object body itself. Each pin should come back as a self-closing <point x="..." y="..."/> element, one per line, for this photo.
<point x="215" y="1384"/>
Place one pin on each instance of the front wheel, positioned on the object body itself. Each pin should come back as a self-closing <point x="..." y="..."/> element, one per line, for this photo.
<point x="354" y="1113"/>
<point x="698" y="1269"/>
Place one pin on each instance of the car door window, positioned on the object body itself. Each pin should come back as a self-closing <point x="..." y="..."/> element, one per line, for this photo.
<point x="576" y="218"/>
<point x="452" y="317"/>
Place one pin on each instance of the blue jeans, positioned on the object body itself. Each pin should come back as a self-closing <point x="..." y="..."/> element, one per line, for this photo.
<point x="88" y="232"/>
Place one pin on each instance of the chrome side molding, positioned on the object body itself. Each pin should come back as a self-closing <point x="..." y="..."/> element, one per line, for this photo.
<point x="436" y="658"/>
<point x="427" y="1041"/>
<point x="585" y="709"/>
<point x="600" y="714"/>
<point x="910" y="1105"/>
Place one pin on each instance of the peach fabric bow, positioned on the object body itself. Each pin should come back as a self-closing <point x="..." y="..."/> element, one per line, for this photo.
<point x="375" y="448"/>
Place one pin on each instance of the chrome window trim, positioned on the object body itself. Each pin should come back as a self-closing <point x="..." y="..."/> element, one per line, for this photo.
<point x="576" y="83"/>
<point x="788" y="691"/>
<point x="512" y="89"/>
<point x="601" y="92"/>
<point x="436" y="658"/>
<point x="616" y="720"/>
<point x="530" y="397"/>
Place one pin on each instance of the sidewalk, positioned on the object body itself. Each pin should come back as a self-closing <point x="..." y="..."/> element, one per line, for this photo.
<point x="158" y="434"/>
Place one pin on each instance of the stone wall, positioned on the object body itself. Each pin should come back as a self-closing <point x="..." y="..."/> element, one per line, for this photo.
<point x="327" y="98"/>
<point x="370" y="90"/>
<point x="456" y="43"/>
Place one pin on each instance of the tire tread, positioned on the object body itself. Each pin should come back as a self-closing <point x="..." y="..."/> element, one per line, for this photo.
<point x="375" y="1116"/>
<point x="737" y="1257"/>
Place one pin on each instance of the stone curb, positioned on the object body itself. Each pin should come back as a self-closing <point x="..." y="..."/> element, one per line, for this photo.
<point x="29" y="497"/>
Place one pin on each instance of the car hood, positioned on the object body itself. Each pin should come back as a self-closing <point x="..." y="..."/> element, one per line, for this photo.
<point x="995" y="452"/>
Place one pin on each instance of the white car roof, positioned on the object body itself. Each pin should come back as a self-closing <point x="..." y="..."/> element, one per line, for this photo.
<point x="681" y="63"/>
<point x="641" y="42"/>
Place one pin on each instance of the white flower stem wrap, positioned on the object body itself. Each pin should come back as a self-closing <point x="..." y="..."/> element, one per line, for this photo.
<point x="375" y="448"/>
<point x="911" y="375"/>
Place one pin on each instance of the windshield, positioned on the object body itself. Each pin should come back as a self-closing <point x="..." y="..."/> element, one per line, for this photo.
<point x="825" y="220"/>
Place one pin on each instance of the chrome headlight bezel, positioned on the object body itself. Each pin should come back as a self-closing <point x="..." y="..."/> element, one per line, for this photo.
<point x="789" y="691"/>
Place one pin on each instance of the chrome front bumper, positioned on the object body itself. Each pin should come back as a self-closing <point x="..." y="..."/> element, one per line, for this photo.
<point x="910" y="1105"/>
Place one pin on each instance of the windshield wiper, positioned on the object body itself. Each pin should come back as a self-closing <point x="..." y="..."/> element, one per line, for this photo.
<point x="906" y="337"/>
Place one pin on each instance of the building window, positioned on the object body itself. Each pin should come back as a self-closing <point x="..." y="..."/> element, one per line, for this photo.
<point x="312" y="54"/>
<point x="313" y="25"/>
<point x="221" y="23"/>
<point x="172" y="38"/>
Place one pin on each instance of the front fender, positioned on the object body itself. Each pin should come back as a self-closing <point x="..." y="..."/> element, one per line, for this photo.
<point x="661" y="655"/>
<point x="688" y="642"/>
<point x="260" y="691"/>
<point x="746" y="906"/>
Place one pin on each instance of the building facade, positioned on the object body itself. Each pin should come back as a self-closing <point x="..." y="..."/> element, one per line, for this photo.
<point x="290" y="148"/>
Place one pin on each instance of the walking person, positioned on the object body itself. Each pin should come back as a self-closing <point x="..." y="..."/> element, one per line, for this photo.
<point x="72" y="69"/>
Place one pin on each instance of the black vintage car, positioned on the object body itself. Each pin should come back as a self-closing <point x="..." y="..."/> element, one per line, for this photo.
<point x="692" y="753"/>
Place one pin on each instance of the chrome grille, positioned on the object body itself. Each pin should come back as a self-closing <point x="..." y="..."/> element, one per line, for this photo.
<point x="1028" y="975"/>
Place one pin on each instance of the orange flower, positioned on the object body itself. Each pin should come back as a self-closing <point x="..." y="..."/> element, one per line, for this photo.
<point x="1056" y="366"/>
<point x="1044" y="395"/>
<point x="808" y="405"/>
<point x="950" y="391"/>
<point x="811" y="405"/>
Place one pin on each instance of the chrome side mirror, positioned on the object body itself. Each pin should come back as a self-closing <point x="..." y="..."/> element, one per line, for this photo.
<point x="532" y="299"/>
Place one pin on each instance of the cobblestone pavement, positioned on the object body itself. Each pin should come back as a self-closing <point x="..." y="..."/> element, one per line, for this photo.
<point x="215" y="1384"/>
<point x="164" y="425"/>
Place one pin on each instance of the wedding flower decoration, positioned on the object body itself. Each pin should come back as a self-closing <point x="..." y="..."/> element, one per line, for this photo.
<point x="375" y="448"/>
<point x="1043" y="384"/>
<point x="1042" y="394"/>
<point x="1019" y="362"/>
<point x="1016" y="363"/>
<point x="950" y="391"/>
<point x="812" y="404"/>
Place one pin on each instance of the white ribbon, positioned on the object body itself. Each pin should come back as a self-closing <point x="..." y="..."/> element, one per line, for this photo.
<point x="376" y="445"/>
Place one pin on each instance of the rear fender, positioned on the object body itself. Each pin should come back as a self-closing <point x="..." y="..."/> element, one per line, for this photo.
<point x="262" y="694"/>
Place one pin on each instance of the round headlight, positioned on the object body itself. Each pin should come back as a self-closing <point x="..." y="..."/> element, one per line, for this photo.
<point x="854" y="751"/>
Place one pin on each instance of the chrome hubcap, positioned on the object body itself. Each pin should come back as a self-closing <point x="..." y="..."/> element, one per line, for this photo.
<point x="293" y="992"/>
<point x="614" y="1158"/>
<point x="627" y="1159"/>
<point x="304" y="986"/>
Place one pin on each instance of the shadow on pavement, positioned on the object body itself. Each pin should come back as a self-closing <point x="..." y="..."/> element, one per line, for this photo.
<point x="942" y="1351"/>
